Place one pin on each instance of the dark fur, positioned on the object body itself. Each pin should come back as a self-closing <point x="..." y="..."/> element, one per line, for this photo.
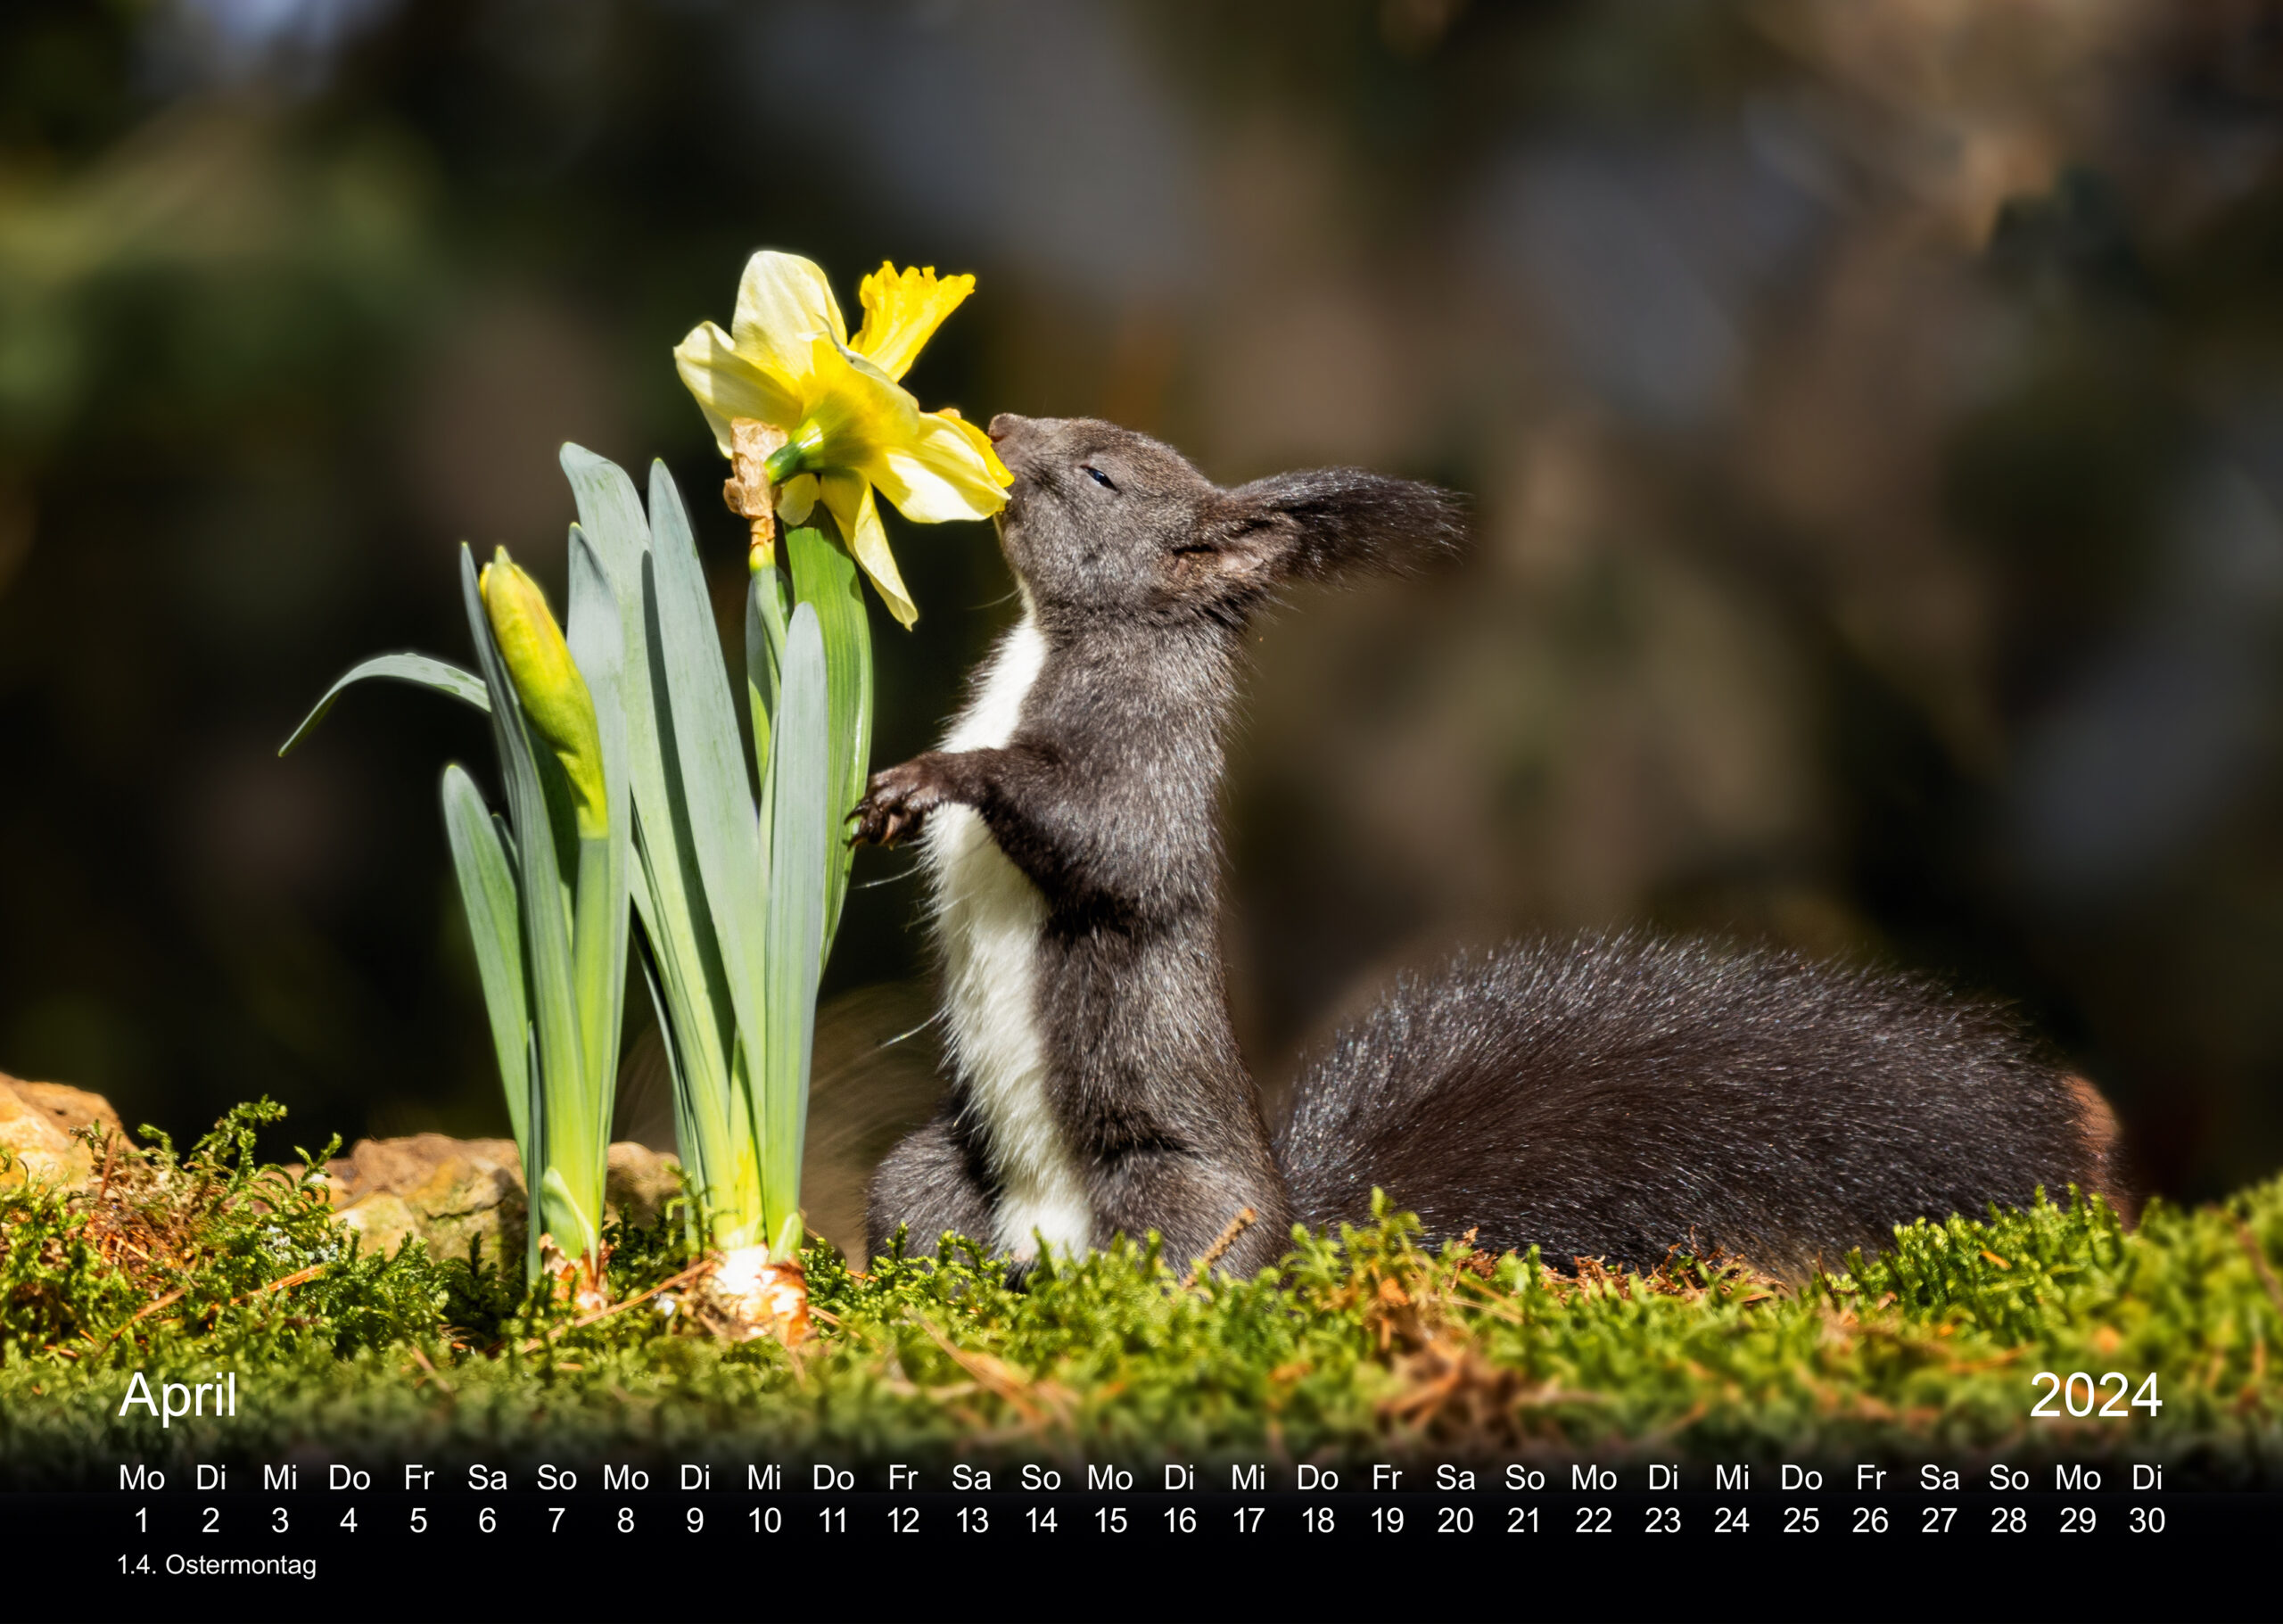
<point x="1106" y="798"/>
<point x="1614" y="1097"/>
<point x="935" y="1179"/>
<point x="1608" y="1099"/>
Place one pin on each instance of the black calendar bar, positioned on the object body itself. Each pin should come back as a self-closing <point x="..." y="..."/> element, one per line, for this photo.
<point x="339" y="1527"/>
<point x="247" y="1550"/>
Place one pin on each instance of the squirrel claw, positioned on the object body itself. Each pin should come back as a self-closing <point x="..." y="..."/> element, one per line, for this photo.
<point x="895" y="806"/>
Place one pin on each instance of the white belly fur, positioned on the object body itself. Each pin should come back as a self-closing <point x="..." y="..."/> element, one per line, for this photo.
<point x="988" y="918"/>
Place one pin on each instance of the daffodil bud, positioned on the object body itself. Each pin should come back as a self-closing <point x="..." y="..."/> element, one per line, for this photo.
<point x="554" y="694"/>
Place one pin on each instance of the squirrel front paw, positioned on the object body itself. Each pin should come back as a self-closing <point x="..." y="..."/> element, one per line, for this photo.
<point x="897" y="801"/>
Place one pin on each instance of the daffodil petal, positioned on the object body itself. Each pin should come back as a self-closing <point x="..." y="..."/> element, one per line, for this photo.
<point x="728" y="385"/>
<point x="798" y="497"/>
<point x="902" y="311"/>
<point x="783" y="300"/>
<point x="852" y="409"/>
<point x="849" y="496"/>
<point x="982" y="444"/>
<point x="947" y="470"/>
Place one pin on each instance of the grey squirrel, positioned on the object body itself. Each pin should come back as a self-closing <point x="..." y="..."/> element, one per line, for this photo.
<point x="1611" y="1097"/>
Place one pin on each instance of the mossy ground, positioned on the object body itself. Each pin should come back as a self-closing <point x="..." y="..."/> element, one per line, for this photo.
<point x="1361" y="1343"/>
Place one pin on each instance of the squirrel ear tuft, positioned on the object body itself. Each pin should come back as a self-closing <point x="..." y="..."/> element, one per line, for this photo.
<point x="1326" y="521"/>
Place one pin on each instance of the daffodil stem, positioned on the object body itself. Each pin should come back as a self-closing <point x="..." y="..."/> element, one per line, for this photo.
<point x="808" y="688"/>
<point x="825" y="576"/>
<point x="765" y="615"/>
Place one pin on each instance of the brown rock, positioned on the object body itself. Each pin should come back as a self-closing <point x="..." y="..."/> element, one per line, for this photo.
<point x="37" y="1148"/>
<point x="384" y="1220"/>
<point x="454" y="1192"/>
<point x="449" y="1192"/>
<point x="398" y="1167"/>
<point x="639" y="1183"/>
<point x="67" y="1107"/>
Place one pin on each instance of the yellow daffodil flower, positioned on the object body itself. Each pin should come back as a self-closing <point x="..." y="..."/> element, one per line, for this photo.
<point x="851" y="427"/>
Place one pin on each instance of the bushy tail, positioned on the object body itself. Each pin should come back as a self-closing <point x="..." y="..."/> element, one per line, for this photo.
<point x="1614" y="1097"/>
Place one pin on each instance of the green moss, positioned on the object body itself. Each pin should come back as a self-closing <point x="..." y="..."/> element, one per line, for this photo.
<point x="1366" y="1341"/>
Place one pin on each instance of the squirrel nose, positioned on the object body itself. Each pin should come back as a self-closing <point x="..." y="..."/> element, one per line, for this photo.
<point x="1004" y="424"/>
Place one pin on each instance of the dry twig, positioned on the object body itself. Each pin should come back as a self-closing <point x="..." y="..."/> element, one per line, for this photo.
<point x="696" y="1271"/>
<point x="1244" y="1220"/>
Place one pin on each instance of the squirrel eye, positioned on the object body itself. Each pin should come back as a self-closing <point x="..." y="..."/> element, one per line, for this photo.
<point x="1098" y="476"/>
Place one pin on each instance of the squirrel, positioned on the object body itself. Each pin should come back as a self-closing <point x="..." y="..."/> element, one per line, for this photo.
<point x="1611" y="1097"/>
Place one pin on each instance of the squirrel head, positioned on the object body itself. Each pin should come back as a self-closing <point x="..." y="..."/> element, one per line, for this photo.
<point x="1103" y="520"/>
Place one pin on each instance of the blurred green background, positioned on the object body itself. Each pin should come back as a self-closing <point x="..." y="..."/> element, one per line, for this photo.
<point x="1874" y="408"/>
